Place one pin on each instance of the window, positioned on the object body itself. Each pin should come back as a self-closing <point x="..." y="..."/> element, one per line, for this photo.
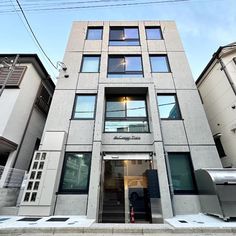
<point x="153" y="33"/>
<point x="124" y="36"/>
<point x="159" y="63"/>
<point x="125" y="66"/>
<point x="219" y="147"/>
<point x="168" y="107"/>
<point x="126" y="114"/>
<point x="90" y="63"/>
<point x="84" y="107"/>
<point x="182" y="173"/>
<point x="75" y="173"/>
<point x="94" y="33"/>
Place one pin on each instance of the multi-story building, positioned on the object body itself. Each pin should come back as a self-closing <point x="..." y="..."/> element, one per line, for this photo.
<point x="126" y="128"/>
<point x="25" y="95"/>
<point x="217" y="87"/>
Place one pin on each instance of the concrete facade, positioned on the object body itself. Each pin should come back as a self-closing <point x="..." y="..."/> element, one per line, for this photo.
<point x="22" y="118"/>
<point x="217" y="86"/>
<point x="63" y="134"/>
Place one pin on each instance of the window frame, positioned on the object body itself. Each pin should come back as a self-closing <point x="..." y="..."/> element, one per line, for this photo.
<point x="124" y="40"/>
<point x="76" y="191"/>
<point x="176" y="102"/>
<point x="126" y="118"/>
<point x="167" y="63"/>
<point x="125" y="72"/>
<point x="74" y="106"/>
<point x="90" y="55"/>
<point x="94" y="27"/>
<point x="153" y="27"/>
<point x="194" y="191"/>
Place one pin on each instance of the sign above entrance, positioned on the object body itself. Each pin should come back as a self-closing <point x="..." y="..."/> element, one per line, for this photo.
<point x="127" y="138"/>
<point x="127" y="156"/>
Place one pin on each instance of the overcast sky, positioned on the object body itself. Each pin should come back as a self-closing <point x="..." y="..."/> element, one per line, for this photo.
<point x="204" y="25"/>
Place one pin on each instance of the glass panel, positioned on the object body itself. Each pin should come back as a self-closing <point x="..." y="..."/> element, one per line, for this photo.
<point x="126" y="126"/>
<point x="124" y="43"/>
<point x="181" y="171"/>
<point x="133" y="64"/>
<point x="85" y="106"/>
<point x="125" y="75"/>
<point x="115" y="108"/>
<point x="116" y="65"/>
<point x="116" y="34"/>
<point x="168" y="107"/>
<point x="76" y="172"/>
<point x="136" y="108"/>
<point x="153" y="33"/>
<point x="94" y="34"/>
<point x="131" y="33"/>
<point x="159" y="64"/>
<point x="90" y="64"/>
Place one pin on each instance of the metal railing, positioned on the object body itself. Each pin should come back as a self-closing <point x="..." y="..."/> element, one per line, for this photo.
<point x="11" y="177"/>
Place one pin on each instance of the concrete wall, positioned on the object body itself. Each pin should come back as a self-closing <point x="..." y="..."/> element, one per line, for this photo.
<point x="218" y="100"/>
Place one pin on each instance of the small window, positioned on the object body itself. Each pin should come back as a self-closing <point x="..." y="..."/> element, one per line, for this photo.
<point x="182" y="173"/>
<point x="84" y="107"/>
<point x="125" y="66"/>
<point x="219" y="147"/>
<point x="75" y="173"/>
<point x="94" y="33"/>
<point x="168" y="107"/>
<point x="153" y="33"/>
<point x="159" y="63"/>
<point x="90" y="64"/>
<point x="124" y="36"/>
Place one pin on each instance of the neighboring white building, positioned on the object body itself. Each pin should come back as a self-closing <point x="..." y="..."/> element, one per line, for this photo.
<point x="24" y="105"/>
<point x="217" y="87"/>
<point x="126" y="128"/>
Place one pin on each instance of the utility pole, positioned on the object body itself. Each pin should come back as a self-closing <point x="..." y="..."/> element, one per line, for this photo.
<point x="11" y="70"/>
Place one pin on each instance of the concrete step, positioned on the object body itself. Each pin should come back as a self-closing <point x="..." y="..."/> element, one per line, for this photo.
<point x="9" y="211"/>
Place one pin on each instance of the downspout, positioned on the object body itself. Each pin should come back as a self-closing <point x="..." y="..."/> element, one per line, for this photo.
<point x="223" y="67"/>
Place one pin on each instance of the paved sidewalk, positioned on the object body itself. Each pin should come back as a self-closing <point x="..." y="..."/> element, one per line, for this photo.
<point x="76" y="225"/>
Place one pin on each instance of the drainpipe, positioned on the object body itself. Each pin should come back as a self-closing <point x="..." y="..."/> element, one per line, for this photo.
<point x="223" y="67"/>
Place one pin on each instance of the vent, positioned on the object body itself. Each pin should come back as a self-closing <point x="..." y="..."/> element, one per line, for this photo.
<point x="56" y="219"/>
<point x="16" y="77"/>
<point x="29" y="219"/>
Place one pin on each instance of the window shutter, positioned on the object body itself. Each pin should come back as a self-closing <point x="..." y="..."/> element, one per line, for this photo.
<point x="16" y="77"/>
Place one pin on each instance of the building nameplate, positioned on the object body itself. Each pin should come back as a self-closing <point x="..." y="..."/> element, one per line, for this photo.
<point x="127" y="138"/>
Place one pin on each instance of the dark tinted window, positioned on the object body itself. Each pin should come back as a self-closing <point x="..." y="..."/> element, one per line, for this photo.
<point x="182" y="173"/>
<point x="84" y="107"/>
<point x="94" y="33"/>
<point x="159" y="63"/>
<point x="219" y="147"/>
<point x="153" y="33"/>
<point x="75" y="174"/>
<point x="168" y="107"/>
<point x="127" y="36"/>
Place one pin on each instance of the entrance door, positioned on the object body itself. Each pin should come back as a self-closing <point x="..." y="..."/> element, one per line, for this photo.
<point x="125" y="190"/>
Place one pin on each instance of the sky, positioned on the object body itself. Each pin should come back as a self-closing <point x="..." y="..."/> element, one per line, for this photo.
<point x="203" y="25"/>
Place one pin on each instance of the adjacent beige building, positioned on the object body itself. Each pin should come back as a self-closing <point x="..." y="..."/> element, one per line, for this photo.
<point x="26" y="92"/>
<point x="126" y="128"/>
<point x="217" y="87"/>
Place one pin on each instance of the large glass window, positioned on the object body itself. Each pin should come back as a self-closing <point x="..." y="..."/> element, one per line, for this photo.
<point x="125" y="66"/>
<point x="75" y="173"/>
<point x="182" y="173"/>
<point x="84" y="106"/>
<point x="153" y="33"/>
<point x="90" y="63"/>
<point x="126" y="114"/>
<point x="94" y="33"/>
<point x="124" y="36"/>
<point x="159" y="63"/>
<point x="168" y="107"/>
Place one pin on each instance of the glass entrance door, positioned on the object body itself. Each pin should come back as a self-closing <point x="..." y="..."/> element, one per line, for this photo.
<point x="125" y="190"/>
